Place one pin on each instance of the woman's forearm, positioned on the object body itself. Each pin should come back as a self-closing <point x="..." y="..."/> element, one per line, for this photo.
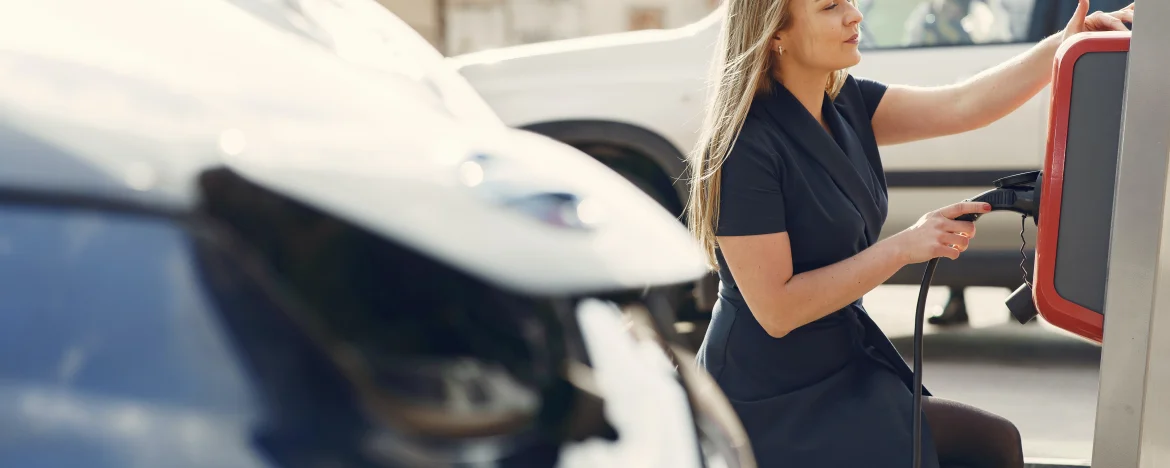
<point x="814" y="294"/>
<point x="996" y="92"/>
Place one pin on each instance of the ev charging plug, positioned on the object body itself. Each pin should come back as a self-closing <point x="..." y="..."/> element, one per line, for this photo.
<point x="1019" y="193"/>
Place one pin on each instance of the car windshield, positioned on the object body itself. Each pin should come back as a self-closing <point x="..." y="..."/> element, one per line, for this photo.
<point x="108" y="334"/>
<point x="368" y="35"/>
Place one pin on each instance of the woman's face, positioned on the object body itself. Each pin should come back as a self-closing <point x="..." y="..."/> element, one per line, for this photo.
<point x="821" y="35"/>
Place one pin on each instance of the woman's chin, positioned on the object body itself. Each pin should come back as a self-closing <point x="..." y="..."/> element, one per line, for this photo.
<point x="850" y="60"/>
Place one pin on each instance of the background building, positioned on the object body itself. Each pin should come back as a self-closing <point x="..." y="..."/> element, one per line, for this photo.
<point x="462" y="26"/>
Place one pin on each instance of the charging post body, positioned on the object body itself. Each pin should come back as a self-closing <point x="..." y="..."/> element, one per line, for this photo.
<point x="1133" y="410"/>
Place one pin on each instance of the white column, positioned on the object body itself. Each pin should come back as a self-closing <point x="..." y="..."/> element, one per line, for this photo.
<point x="1133" y="422"/>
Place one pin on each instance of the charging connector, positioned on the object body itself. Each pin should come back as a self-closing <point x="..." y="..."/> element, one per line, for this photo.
<point x="1023" y="199"/>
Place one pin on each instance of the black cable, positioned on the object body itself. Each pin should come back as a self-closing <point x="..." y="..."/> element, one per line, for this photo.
<point x="1011" y="194"/>
<point x="919" y="317"/>
<point x="1023" y="254"/>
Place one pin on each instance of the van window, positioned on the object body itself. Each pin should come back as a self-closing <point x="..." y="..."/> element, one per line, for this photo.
<point x="895" y="24"/>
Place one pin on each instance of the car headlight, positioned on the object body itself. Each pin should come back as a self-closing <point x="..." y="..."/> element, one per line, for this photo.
<point x="722" y="440"/>
<point x="546" y="202"/>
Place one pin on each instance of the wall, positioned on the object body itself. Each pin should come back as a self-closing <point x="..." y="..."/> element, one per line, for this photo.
<point x="422" y="15"/>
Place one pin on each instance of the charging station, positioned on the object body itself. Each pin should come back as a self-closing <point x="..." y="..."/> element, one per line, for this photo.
<point x="1080" y="169"/>
<point x="1100" y="208"/>
<point x="1102" y="238"/>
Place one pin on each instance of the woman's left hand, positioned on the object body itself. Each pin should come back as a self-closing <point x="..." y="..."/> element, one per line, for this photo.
<point x="1098" y="21"/>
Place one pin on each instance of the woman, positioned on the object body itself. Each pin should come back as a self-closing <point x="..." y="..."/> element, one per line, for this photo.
<point x="790" y="216"/>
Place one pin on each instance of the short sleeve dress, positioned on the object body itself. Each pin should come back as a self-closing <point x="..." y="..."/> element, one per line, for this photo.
<point x="834" y="393"/>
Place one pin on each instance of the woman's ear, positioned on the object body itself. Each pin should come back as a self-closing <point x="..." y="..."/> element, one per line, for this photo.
<point x="777" y="44"/>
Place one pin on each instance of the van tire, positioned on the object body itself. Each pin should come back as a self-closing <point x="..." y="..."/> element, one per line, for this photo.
<point x="644" y="185"/>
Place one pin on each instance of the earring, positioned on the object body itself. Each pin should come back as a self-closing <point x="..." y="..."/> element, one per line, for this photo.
<point x="780" y="50"/>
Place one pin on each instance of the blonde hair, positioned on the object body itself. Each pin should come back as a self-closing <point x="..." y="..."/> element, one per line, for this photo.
<point x="742" y="68"/>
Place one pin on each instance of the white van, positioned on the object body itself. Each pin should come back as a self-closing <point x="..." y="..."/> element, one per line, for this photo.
<point x="634" y="100"/>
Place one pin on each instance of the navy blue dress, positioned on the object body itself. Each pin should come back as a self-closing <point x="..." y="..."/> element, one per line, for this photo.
<point x="834" y="393"/>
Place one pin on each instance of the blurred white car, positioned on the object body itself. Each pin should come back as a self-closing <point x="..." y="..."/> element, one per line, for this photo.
<point x="634" y="101"/>
<point x="284" y="233"/>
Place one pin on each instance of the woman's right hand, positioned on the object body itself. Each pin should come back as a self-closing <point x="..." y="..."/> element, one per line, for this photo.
<point x="938" y="234"/>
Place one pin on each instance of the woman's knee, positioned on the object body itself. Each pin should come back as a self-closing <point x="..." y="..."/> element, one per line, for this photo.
<point x="1008" y="441"/>
<point x="973" y="436"/>
<point x="1006" y="435"/>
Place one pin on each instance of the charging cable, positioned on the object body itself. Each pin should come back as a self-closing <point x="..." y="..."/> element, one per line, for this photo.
<point x="1019" y="193"/>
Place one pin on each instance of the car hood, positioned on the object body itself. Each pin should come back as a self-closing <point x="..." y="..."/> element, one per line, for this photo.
<point x="511" y="207"/>
<point x="126" y="116"/>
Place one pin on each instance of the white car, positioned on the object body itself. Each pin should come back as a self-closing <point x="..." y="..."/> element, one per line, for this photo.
<point x="284" y="233"/>
<point x="634" y="101"/>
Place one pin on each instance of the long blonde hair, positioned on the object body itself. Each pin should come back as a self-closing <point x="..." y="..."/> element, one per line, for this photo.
<point x="741" y="69"/>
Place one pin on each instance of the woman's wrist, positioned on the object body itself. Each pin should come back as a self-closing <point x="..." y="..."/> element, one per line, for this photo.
<point x="1052" y="43"/>
<point x="892" y="251"/>
<point x="1046" y="52"/>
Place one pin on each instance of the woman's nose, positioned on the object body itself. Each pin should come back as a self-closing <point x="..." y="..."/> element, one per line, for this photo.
<point x="853" y="14"/>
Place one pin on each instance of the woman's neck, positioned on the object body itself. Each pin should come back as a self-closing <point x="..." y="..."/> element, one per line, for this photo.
<point x="807" y="87"/>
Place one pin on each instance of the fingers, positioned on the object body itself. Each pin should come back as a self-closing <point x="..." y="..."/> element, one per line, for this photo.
<point x="946" y="251"/>
<point x="1115" y="21"/>
<point x="949" y="237"/>
<point x="962" y="208"/>
<point x="963" y="228"/>
<point x="955" y="241"/>
<point x="1124" y="15"/>
<point x="1079" y="15"/>
<point x="951" y="246"/>
<point x="1099" y="21"/>
<point x="1105" y="22"/>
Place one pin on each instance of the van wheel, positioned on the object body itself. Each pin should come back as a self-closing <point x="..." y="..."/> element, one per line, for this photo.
<point x="644" y="185"/>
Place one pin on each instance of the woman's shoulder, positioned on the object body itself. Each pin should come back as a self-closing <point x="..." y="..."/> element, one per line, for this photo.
<point x="752" y="176"/>
<point x="863" y="85"/>
<point x="862" y="92"/>
<point x="759" y="138"/>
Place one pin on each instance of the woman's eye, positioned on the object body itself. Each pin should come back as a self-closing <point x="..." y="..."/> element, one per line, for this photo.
<point x="831" y="6"/>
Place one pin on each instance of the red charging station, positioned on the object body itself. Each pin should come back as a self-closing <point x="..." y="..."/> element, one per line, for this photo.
<point x="1079" y="177"/>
